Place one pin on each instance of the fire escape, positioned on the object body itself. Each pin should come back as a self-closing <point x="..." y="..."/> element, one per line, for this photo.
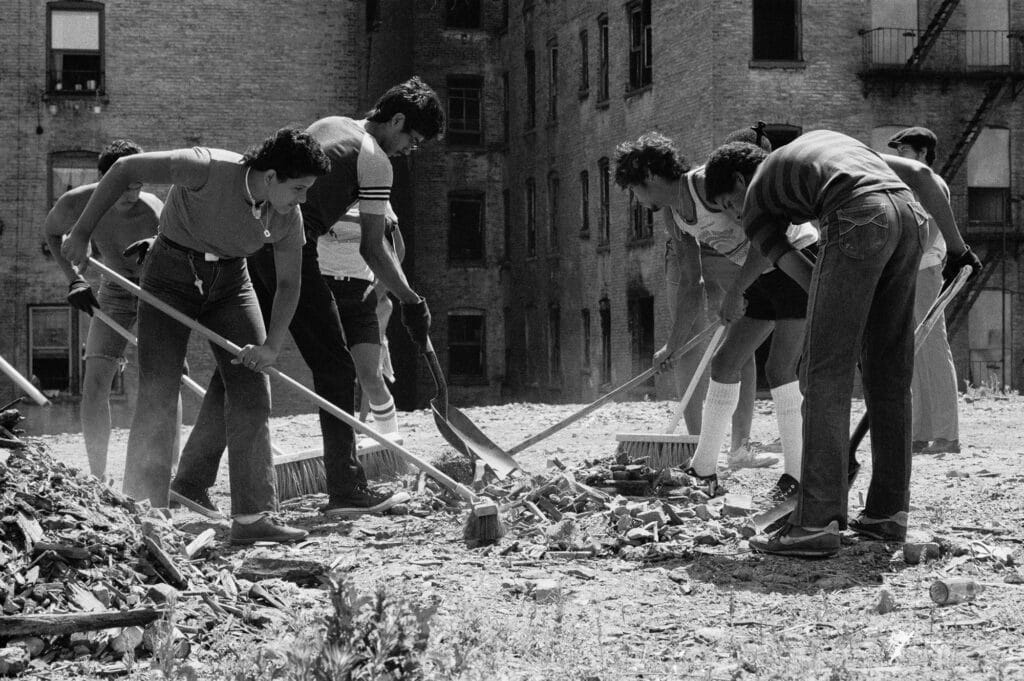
<point x="988" y="62"/>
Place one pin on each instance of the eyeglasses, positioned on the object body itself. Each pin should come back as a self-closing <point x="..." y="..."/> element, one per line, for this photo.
<point x="416" y="138"/>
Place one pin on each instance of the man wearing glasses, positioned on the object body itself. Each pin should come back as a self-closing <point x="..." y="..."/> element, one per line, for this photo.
<point x="360" y="151"/>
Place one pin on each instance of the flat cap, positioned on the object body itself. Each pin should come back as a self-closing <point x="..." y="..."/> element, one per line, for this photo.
<point x="916" y="137"/>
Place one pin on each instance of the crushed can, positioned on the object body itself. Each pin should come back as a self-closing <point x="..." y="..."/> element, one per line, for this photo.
<point x="950" y="590"/>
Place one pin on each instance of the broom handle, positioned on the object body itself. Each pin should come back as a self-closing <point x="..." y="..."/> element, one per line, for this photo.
<point x="697" y="374"/>
<point x="632" y="383"/>
<point x="336" y="411"/>
<point x="23" y="383"/>
<point x="185" y="378"/>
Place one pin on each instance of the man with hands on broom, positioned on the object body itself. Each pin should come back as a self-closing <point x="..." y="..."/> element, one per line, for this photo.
<point x="222" y="207"/>
<point x="404" y="117"/>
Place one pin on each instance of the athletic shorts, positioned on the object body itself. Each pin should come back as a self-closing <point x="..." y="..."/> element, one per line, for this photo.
<point x="774" y="295"/>
<point x="122" y="307"/>
<point x="358" y="316"/>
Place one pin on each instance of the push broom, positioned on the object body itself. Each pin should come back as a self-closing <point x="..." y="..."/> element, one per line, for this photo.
<point x="484" y="524"/>
<point x="669" y="449"/>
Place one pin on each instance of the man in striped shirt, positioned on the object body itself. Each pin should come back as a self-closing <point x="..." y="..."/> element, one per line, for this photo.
<point x="861" y="307"/>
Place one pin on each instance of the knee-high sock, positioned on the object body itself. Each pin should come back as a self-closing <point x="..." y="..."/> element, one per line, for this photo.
<point x="385" y="419"/>
<point x="719" y="404"/>
<point x="788" y="401"/>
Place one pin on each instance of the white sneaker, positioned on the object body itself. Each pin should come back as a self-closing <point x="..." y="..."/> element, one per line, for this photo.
<point x="745" y="457"/>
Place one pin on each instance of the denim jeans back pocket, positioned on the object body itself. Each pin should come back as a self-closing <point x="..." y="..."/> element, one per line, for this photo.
<point x="923" y="223"/>
<point x="861" y="231"/>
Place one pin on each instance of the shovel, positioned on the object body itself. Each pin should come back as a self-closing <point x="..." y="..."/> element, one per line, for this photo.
<point x="458" y="430"/>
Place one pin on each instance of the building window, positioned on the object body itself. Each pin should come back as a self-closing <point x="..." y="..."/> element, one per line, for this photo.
<point x="604" y="219"/>
<point x="781" y="134"/>
<point x="531" y="90"/>
<point x="531" y="218"/>
<point x="553" y="199"/>
<point x="52" y="342"/>
<point x="71" y="169"/>
<point x="640" y="53"/>
<point x="75" y="59"/>
<point x="585" y="325"/>
<point x="602" y="58"/>
<point x="584" y="64"/>
<point x="585" y="204"/>
<point x="553" y="82"/>
<point x="988" y="179"/>
<point x="988" y="205"/>
<point x="531" y="358"/>
<point x="506" y="213"/>
<point x="554" y="344"/>
<point x="605" y="308"/>
<point x="462" y="14"/>
<point x="641" y="333"/>
<point x="504" y="15"/>
<point x="505" y="109"/>
<point x="373" y="21"/>
<point x="466" y="349"/>
<point x="464" y="110"/>
<point x="641" y="220"/>
<point x="466" y="228"/>
<point x="776" y="30"/>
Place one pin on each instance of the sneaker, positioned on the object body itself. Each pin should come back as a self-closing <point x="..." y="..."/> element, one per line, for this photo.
<point x="942" y="446"/>
<point x="893" y="528"/>
<point x="745" y="457"/>
<point x="706" y="483"/>
<point x="801" y="542"/>
<point x="362" y="500"/>
<point x="786" y="487"/>
<point x="918" y="446"/>
<point x="268" y="528"/>
<point x="199" y="502"/>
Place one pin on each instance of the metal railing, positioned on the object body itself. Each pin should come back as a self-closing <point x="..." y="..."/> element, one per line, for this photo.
<point x="958" y="52"/>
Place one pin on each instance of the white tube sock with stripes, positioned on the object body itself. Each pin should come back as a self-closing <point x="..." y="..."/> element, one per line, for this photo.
<point x="719" y="404"/>
<point x="788" y="402"/>
<point x="385" y="418"/>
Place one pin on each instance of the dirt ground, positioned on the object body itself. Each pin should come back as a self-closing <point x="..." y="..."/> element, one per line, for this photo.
<point x="721" y="613"/>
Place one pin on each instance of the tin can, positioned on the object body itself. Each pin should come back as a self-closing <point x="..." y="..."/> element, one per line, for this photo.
<point x="954" y="590"/>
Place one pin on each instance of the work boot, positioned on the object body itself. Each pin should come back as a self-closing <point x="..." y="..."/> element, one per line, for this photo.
<point x="918" y="446"/>
<point x="361" y="501"/>
<point x="268" y="528"/>
<point x="892" y="528"/>
<point x="706" y="483"/>
<point x="785" y="487"/>
<point x="198" y="501"/>
<point x="746" y="457"/>
<point x="801" y="542"/>
<point x="942" y="446"/>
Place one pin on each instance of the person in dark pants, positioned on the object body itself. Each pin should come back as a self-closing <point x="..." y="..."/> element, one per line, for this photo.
<point x="361" y="174"/>
<point x="861" y="307"/>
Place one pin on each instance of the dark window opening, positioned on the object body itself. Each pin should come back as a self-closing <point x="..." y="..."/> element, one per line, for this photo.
<point x="466" y="229"/>
<point x="602" y="58"/>
<point x="605" y="309"/>
<point x="641" y="220"/>
<point x="553" y="199"/>
<point x="554" y="344"/>
<point x="462" y="13"/>
<point x="531" y="218"/>
<point x="373" y="20"/>
<point x="641" y="334"/>
<point x="553" y="83"/>
<point x="584" y="65"/>
<point x="531" y="90"/>
<point x="466" y="351"/>
<point x="76" y="46"/>
<point x="54" y="361"/>
<point x="988" y="205"/>
<point x="505" y="108"/>
<point x="776" y="30"/>
<point x="584" y="204"/>
<point x="640" y="52"/>
<point x="464" y="110"/>
<point x="506" y="212"/>
<point x="585" y="323"/>
<point x="604" y="226"/>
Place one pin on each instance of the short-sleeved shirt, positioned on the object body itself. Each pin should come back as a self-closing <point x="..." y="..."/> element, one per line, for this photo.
<point x="725" y="235"/>
<point x="808" y="179"/>
<point x="360" y="174"/>
<point x="215" y="216"/>
<point x="337" y="251"/>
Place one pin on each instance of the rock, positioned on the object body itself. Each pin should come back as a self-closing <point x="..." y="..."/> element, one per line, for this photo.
<point x="706" y="539"/>
<point x="652" y="516"/>
<point x="679" y="575"/>
<point x="885" y="602"/>
<point x="547" y="591"/>
<point x="581" y="572"/>
<point x="639" y="535"/>
<point x="702" y="512"/>
<point x="13" y="661"/>
<point x="33" y="645"/>
<point x="161" y="593"/>
<point x="737" y="505"/>
<point x="129" y="639"/>
<point x="916" y="552"/>
<point x="155" y="638"/>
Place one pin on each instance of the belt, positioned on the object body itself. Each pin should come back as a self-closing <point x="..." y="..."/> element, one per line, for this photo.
<point x="208" y="257"/>
<point x="360" y="279"/>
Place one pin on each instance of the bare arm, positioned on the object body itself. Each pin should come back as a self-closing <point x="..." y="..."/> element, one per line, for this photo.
<point x="381" y="258"/>
<point x="288" y="263"/>
<point x="689" y="296"/>
<point x="923" y="181"/>
<point x="58" y="221"/>
<point x="797" y="266"/>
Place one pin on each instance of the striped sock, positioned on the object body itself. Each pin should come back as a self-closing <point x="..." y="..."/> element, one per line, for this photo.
<point x="719" y="404"/>
<point x="385" y="418"/>
<point x="788" y="401"/>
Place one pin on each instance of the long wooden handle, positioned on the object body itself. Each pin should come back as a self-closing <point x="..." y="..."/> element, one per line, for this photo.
<point x="628" y="385"/>
<point x="23" y="383"/>
<point x="331" y="408"/>
<point x="695" y="379"/>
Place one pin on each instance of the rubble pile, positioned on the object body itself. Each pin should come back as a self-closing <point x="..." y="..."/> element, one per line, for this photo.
<point x="91" y="575"/>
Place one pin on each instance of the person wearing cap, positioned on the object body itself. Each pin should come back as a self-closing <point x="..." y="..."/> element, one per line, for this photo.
<point x="936" y="426"/>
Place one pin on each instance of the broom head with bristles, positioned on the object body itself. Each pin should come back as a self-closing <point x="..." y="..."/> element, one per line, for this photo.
<point x="658" y="450"/>
<point x="303" y="472"/>
<point x="483" y="525"/>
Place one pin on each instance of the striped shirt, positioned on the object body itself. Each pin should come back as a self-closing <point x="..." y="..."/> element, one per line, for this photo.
<point x="808" y="179"/>
<point x="361" y="175"/>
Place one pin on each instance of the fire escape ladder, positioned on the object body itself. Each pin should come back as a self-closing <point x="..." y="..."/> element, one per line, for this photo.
<point x="957" y="313"/>
<point x="956" y="157"/>
<point x="931" y="34"/>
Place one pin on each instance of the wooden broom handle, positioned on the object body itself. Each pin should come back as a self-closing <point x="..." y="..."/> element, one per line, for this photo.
<point x="698" y="372"/>
<point x="23" y="383"/>
<point x="331" y="408"/>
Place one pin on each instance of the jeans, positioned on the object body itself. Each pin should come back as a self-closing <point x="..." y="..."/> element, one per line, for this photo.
<point x="227" y="305"/>
<point x="316" y="329"/>
<point x="861" y="306"/>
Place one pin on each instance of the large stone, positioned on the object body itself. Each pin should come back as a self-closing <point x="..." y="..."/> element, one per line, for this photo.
<point x="13" y="661"/>
<point x="547" y="591"/>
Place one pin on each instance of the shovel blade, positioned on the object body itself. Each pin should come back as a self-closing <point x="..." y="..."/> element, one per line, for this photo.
<point x="464" y="436"/>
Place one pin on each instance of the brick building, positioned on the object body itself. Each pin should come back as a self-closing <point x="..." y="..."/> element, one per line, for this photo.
<point x="544" y="281"/>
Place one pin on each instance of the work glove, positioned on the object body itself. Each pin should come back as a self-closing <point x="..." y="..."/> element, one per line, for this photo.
<point x="140" y="248"/>
<point x="80" y="296"/>
<point x="416" y="320"/>
<point x="955" y="262"/>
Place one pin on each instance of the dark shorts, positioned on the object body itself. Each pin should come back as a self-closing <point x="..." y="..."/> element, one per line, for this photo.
<point x="358" y="316"/>
<point x="774" y="295"/>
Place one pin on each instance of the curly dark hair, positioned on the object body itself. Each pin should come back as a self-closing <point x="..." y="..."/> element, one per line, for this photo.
<point x="417" y="101"/>
<point x="291" y="153"/>
<point x="651" y="154"/>
<point x="115" y="150"/>
<point x="755" y="135"/>
<point x="734" y="157"/>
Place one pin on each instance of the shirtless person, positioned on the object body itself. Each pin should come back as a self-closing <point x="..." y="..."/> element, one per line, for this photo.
<point x="134" y="217"/>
